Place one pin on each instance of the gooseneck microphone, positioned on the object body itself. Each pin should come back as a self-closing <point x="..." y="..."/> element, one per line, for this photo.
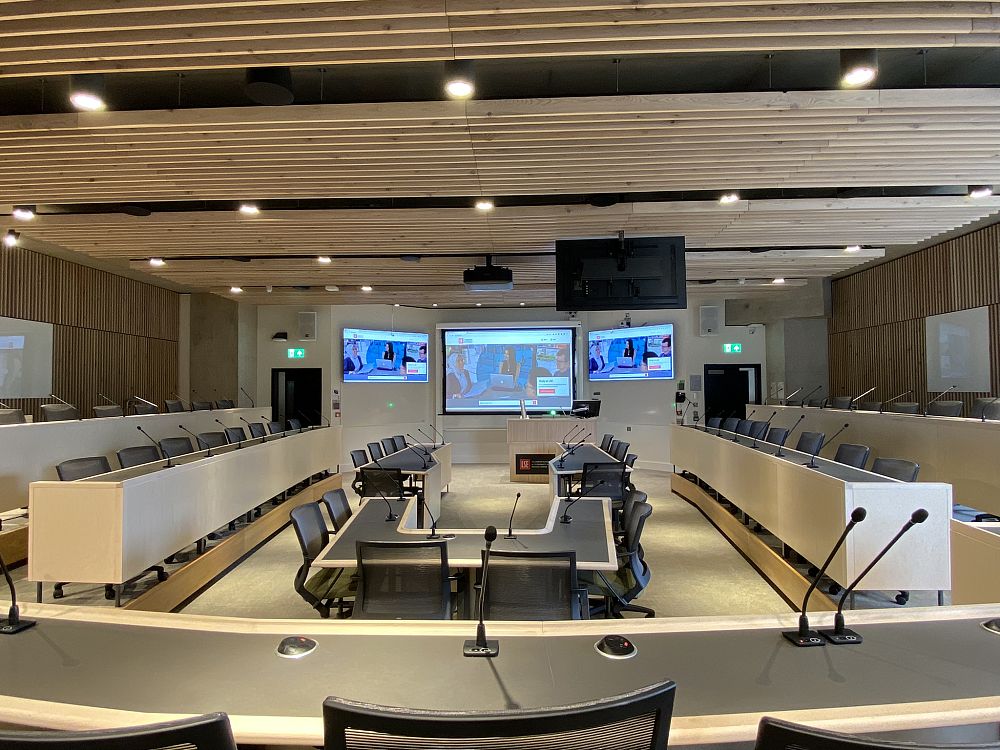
<point x="433" y="441"/>
<point x="566" y="517"/>
<point x="787" y="398"/>
<point x="423" y="459"/>
<point x="583" y="440"/>
<point x="239" y="442"/>
<point x="841" y="635"/>
<point x="185" y="404"/>
<point x="434" y="525"/>
<point x="987" y="406"/>
<point x="110" y="401"/>
<point x="481" y="646"/>
<point x="196" y="441"/>
<point x="416" y="444"/>
<point x="510" y="523"/>
<point x="13" y="623"/>
<point x="567" y="438"/>
<point x="942" y="393"/>
<point x="781" y="445"/>
<point x="811" y="463"/>
<point x="252" y="404"/>
<point x="437" y="432"/>
<point x="881" y="408"/>
<point x="247" y="423"/>
<point x="763" y="432"/>
<point x="858" y="398"/>
<point x="802" y="401"/>
<point x="390" y="516"/>
<point x="804" y="636"/>
<point x="150" y="438"/>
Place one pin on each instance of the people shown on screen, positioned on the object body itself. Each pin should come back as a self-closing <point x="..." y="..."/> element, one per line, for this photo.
<point x="629" y="350"/>
<point x="663" y="350"/>
<point x="422" y="353"/>
<point x="562" y="363"/>
<point x="509" y="364"/>
<point x="458" y="381"/>
<point x="596" y="358"/>
<point x="531" y="386"/>
<point x="388" y="353"/>
<point x="352" y="358"/>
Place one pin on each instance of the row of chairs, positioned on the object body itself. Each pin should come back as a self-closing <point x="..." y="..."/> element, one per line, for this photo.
<point x="67" y="412"/>
<point x="982" y="408"/>
<point x="616" y="448"/>
<point x="378" y="450"/>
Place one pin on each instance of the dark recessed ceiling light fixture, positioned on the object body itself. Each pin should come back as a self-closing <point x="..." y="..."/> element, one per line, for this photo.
<point x="87" y="92"/>
<point x="858" y="67"/>
<point x="131" y="209"/>
<point x="980" y="191"/>
<point x="459" y="82"/>
<point x="10" y="239"/>
<point x="271" y="87"/>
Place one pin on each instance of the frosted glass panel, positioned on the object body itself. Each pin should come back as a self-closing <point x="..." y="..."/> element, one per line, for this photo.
<point x="958" y="351"/>
<point x="25" y="358"/>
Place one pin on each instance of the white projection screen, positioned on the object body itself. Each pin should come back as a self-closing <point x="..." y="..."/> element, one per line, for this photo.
<point x="958" y="351"/>
<point x="25" y="358"/>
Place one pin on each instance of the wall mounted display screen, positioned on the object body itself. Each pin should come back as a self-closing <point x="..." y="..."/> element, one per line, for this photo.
<point x="958" y="351"/>
<point x="384" y="356"/>
<point x="645" y="352"/>
<point x="494" y="369"/>
<point x="25" y="358"/>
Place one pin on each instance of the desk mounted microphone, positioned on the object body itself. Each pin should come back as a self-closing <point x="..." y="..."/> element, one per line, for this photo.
<point x="781" y="445"/>
<point x="802" y="401"/>
<point x="567" y="437"/>
<point x="811" y="463"/>
<point x="481" y="646"/>
<point x="566" y="517"/>
<point x="437" y="432"/>
<point x="854" y="400"/>
<point x="252" y="404"/>
<point x="149" y="437"/>
<point x="148" y="403"/>
<point x="881" y="408"/>
<point x="185" y="404"/>
<point x="804" y="636"/>
<point x="416" y="444"/>
<point x="196" y="441"/>
<point x="390" y="516"/>
<point x="761" y="433"/>
<point x="433" y="441"/>
<point x="247" y="423"/>
<point x="942" y="393"/>
<point x="13" y="623"/>
<point x="987" y="406"/>
<point x="66" y="403"/>
<point x="787" y="398"/>
<point x="420" y="455"/>
<point x="113" y="403"/>
<point x="434" y="526"/>
<point x="510" y="524"/>
<point x="239" y="443"/>
<point x="841" y="635"/>
<point x="583" y="440"/>
<point x="736" y="435"/>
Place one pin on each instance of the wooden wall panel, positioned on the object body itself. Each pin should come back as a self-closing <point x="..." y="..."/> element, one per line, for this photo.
<point x="878" y="318"/>
<point x="111" y="334"/>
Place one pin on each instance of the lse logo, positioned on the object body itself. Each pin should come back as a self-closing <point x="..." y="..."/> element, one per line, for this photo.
<point x="524" y="464"/>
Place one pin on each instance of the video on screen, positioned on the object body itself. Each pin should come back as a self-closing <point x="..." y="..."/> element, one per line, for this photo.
<point x="384" y="356"/>
<point x="644" y="352"/>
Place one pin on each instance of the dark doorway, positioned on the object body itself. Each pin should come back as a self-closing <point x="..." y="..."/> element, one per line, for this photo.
<point x="297" y="393"/>
<point x="728" y="388"/>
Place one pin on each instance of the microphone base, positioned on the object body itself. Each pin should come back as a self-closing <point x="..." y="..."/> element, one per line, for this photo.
<point x="491" y="649"/>
<point x="7" y="629"/>
<point x="510" y="536"/>
<point x="811" y="638"/>
<point x="566" y="519"/>
<point x="843" y="638"/>
<point x="391" y="517"/>
<point x="446" y="537"/>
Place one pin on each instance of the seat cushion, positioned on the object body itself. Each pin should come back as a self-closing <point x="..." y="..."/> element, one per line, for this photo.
<point x="333" y="583"/>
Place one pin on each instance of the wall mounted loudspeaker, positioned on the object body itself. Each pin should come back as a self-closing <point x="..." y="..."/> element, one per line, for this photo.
<point x="709" y="320"/>
<point x="307" y="326"/>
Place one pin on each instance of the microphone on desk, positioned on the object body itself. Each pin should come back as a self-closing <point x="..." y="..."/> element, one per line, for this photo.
<point x="571" y="434"/>
<point x="987" y="406"/>
<point x="566" y="517"/>
<point x="761" y="433"/>
<point x="802" y="401"/>
<point x="804" y="636"/>
<point x="787" y="398"/>
<point x="13" y="623"/>
<point x="481" y="646"/>
<point x="881" y="408"/>
<point x="568" y="450"/>
<point x="416" y="444"/>
<point x="239" y="443"/>
<point x="147" y="403"/>
<point x="185" y="404"/>
<point x="110" y="401"/>
<point x="322" y="417"/>
<point x="66" y="403"/>
<point x="196" y="441"/>
<point x="434" y="524"/>
<point x="423" y="459"/>
<point x="840" y="635"/>
<point x="390" y="516"/>
<point x="510" y="524"/>
<point x="942" y="393"/>
<point x="247" y="423"/>
<point x="582" y="441"/>
<point x="736" y="435"/>
<point x="811" y="463"/>
<point x="854" y="400"/>
<point x="781" y="445"/>
<point x="252" y="404"/>
<point x="150" y="438"/>
<point x="428" y="437"/>
<point x="437" y="432"/>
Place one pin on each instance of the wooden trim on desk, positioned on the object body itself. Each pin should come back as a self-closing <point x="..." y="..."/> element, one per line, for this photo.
<point x="14" y="545"/>
<point x="186" y="582"/>
<point x="785" y="578"/>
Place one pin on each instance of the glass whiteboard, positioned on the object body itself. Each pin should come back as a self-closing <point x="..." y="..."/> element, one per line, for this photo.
<point x="25" y="358"/>
<point x="958" y="351"/>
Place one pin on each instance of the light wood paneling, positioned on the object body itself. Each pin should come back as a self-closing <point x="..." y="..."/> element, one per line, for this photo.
<point x="877" y="329"/>
<point x="111" y="334"/>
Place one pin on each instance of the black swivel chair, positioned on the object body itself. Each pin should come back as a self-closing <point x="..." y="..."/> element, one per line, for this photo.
<point x="979" y="406"/>
<point x="225" y="403"/>
<point x="777" y="436"/>
<point x="235" y="435"/>
<point x="714" y="422"/>
<point x="810" y="442"/>
<point x="337" y="507"/>
<point x="388" y="445"/>
<point x="896" y="468"/>
<point x="359" y="458"/>
<point x="81" y="468"/>
<point x="840" y="402"/>
<point x="12" y="416"/>
<point x="375" y="451"/>
<point x="257" y="430"/>
<point x="611" y="473"/>
<point x="992" y="411"/>
<point x="403" y="581"/>
<point x="201" y="406"/>
<point x="144" y="409"/>
<point x="619" y="589"/>
<point x="869" y="406"/>
<point x="606" y="441"/>
<point x="729" y="424"/>
<point x="208" y="732"/>
<point x="621" y="450"/>
<point x="209" y="440"/>
<point x="820" y="402"/>
<point x="387" y="483"/>
<point x="174" y="447"/>
<point x="757" y="429"/>
<point x="108" y="410"/>
<point x="775" y="734"/>
<point x="743" y="427"/>
<point x="328" y="585"/>
<point x="945" y="409"/>
<point x="275" y="428"/>
<point x="533" y="586"/>
<point x="399" y="442"/>
<point x="904" y="407"/>
<point x="174" y="406"/>
<point x="852" y="454"/>
<point x="612" y="447"/>
<point x="137" y="456"/>
<point x="59" y="412"/>
<point x="295" y="424"/>
<point x="641" y="718"/>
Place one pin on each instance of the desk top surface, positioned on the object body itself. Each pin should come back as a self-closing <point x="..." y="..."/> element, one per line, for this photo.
<point x="588" y="453"/>
<point x="415" y="461"/>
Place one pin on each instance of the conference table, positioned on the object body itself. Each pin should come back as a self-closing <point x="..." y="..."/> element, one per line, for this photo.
<point x="431" y="465"/>
<point x="567" y="466"/>
<point x="933" y="668"/>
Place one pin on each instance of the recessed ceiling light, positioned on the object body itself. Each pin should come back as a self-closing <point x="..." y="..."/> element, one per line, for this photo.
<point x="269" y="289"/>
<point x="366" y="288"/>
<point x="980" y="191"/>
<point x="458" y="80"/>
<point x="858" y="67"/>
<point x="157" y="262"/>
<point x="332" y="288"/>
<point x="435" y="304"/>
<point x="396" y="304"/>
<point x="852" y="249"/>
<point x="778" y="280"/>
<point x="249" y="209"/>
<point x="727" y="198"/>
<point x="24" y="213"/>
<point x="86" y="92"/>
<point x="236" y="289"/>
<point x="10" y="239"/>
<point x="522" y="304"/>
<point x="325" y="259"/>
<point x="484" y="204"/>
<point x="479" y="304"/>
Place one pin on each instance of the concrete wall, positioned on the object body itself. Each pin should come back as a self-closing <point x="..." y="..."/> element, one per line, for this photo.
<point x="214" y="358"/>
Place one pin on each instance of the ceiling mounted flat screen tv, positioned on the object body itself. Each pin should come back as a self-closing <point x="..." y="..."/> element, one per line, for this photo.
<point x="624" y="273"/>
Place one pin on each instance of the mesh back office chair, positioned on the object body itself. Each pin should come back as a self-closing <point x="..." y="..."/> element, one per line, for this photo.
<point x="337" y="507"/>
<point x="757" y="429"/>
<point x="201" y="406"/>
<point x="869" y="406"/>
<point x="606" y="441"/>
<point x="714" y="422"/>
<point x="810" y="442"/>
<point x="978" y="406"/>
<point x="375" y="451"/>
<point x="820" y="402"/>
<point x="173" y="406"/>
<point x="621" y="588"/>
<point x="612" y="447"/>
<point x="275" y="428"/>
<point x="327" y="585"/>
<point x="612" y="474"/>
<point x="174" y="447"/>
<point x="235" y="435"/>
<point x="137" y="456"/>
<point x="638" y="720"/>
<point x="108" y="410"/>
<point x="140" y="408"/>
<point x="257" y="430"/>
<point x="209" y="440"/>
<point x="840" y="402"/>
<point x="743" y="427"/>
<point x="81" y="468"/>
<point x="777" y="436"/>
<point x="729" y="424"/>
<point x="294" y="424"/>
<point x="225" y="403"/>
<point x="386" y="483"/>
<point x="12" y="416"/>
<point x="403" y="581"/>
<point x="359" y="458"/>
<point x="208" y="732"/>
<point x="533" y="586"/>
<point x="400" y="442"/>
<point x="945" y="409"/>
<point x="388" y="445"/>
<point x="993" y="411"/>
<point x="59" y="413"/>
<point x="621" y="450"/>
<point x="896" y="468"/>
<point x="905" y="407"/>
<point x="774" y="734"/>
<point x="852" y="454"/>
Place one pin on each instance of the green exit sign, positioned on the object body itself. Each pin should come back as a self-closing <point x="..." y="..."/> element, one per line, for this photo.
<point x="296" y="353"/>
<point x="733" y="348"/>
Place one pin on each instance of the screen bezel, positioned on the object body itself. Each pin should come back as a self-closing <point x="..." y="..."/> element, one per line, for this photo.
<point x="635" y="331"/>
<point x="442" y="375"/>
<point x="343" y="345"/>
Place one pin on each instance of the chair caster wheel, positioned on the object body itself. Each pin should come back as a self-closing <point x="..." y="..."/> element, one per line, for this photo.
<point x="813" y="571"/>
<point x="903" y="597"/>
<point x="109" y="594"/>
<point x="834" y="588"/>
<point x="58" y="594"/>
<point x="162" y="575"/>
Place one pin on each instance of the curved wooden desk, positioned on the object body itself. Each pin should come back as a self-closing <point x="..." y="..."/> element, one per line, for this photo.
<point x="81" y="667"/>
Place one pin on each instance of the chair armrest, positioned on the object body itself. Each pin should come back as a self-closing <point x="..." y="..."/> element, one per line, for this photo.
<point x="583" y="595"/>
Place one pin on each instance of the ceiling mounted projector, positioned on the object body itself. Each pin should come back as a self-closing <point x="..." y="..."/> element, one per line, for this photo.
<point x="489" y="278"/>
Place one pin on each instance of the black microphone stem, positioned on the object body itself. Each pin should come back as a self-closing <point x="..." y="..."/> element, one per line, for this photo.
<point x="778" y="453"/>
<point x="510" y="523"/>
<point x="812" y="459"/>
<point x="149" y="437"/>
<point x="764" y="431"/>
<point x="390" y="516"/>
<point x="566" y="517"/>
